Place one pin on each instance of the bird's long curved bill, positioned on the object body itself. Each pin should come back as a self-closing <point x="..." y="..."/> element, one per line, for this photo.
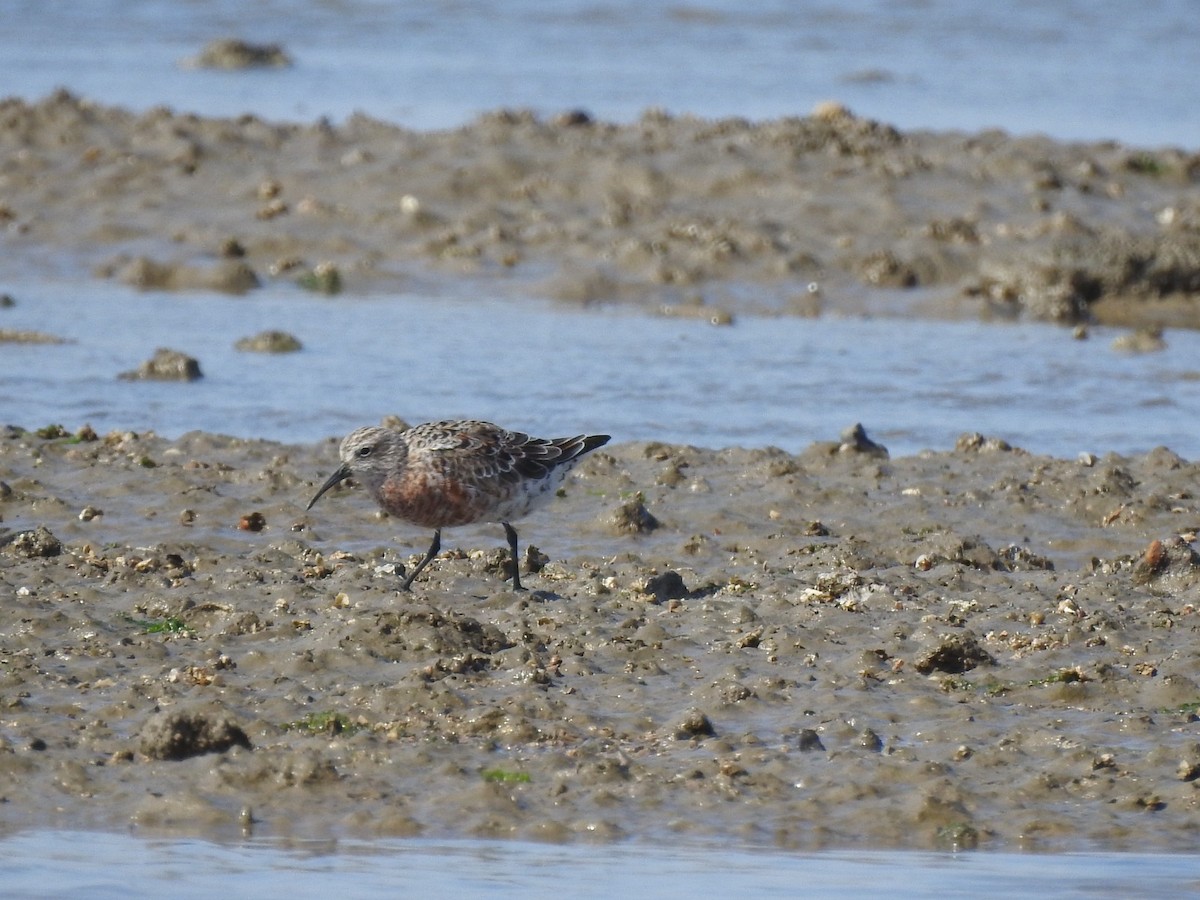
<point x="340" y="475"/>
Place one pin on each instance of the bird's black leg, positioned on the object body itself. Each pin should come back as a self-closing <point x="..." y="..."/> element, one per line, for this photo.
<point x="433" y="551"/>
<point x="511" y="534"/>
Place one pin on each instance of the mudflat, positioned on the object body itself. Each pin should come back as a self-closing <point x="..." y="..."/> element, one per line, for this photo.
<point x="972" y="646"/>
<point x="823" y="213"/>
<point x="968" y="647"/>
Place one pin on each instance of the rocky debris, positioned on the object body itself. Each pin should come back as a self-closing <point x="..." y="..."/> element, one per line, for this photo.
<point x="809" y="740"/>
<point x="694" y="724"/>
<point x="533" y="560"/>
<point x="632" y="517"/>
<point x="1141" y="340"/>
<point x="165" y="365"/>
<point x="18" y="336"/>
<point x="974" y="442"/>
<point x="323" y="278"/>
<point x="869" y="739"/>
<point x="269" y="342"/>
<point x="181" y="734"/>
<point x="667" y="586"/>
<point x="38" y="542"/>
<point x="228" y="276"/>
<point x="954" y="654"/>
<point x="254" y="521"/>
<point x="232" y="53"/>
<point x="1080" y="270"/>
<point x="884" y="269"/>
<point x="1021" y="559"/>
<point x="855" y="440"/>
<point x="1170" y="558"/>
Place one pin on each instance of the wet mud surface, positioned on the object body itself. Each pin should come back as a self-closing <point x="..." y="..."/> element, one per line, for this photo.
<point x="969" y="647"/>
<point x="821" y="213"/>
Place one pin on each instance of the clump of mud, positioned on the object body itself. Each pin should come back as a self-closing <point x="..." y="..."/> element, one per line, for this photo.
<point x="181" y="735"/>
<point x="166" y="365"/>
<point x="272" y="341"/>
<point x="233" y="53"/>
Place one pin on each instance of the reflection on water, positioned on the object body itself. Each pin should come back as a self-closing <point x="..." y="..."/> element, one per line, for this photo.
<point x="71" y="864"/>
<point x="784" y="382"/>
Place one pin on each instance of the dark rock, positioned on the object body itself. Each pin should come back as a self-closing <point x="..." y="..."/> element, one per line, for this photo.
<point x="954" y="654"/>
<point x="809" y="740"/>
<point x="667" y="586"/>
<point x="694" y="724"/>
<point x="1170" y="557"/>
<point x="166" y="365"/>
<point x="869" y="740"/>
<point x="231" y="53"/>
<point x="36" y="543"/>
<point x="632" y="517"/>
<point x="974" y="442"/>
<point x="269" y="342"/>
<point x="855" y="440"/>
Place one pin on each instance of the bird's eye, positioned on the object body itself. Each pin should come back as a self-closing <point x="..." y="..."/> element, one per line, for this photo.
<point x="363" y="452"/>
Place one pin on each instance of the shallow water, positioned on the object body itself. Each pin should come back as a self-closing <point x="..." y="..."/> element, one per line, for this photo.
<point x="783" y="382"/>
<point x="60" y="864"/>
<point x="1083" y="69"/>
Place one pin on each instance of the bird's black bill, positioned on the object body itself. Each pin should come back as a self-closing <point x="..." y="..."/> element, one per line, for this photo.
<point x="340" y="475"/>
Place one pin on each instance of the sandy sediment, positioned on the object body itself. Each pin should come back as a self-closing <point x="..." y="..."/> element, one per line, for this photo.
<point x="824" y="213"/>
<point x="973" y="646"/>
